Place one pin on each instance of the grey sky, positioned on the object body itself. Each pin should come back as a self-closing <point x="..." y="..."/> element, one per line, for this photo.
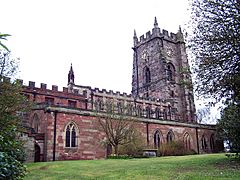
<point x="94" y="35"/>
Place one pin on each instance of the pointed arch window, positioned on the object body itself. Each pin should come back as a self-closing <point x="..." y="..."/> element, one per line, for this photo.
<point x="71" y="136"/>
<point x="130" y="109"/>
<point x="147" y="75"/>
<point x="139" y="111"/>
<point x="212" y="142"/>
<point x="120" y="107"/>
<point x="157" y="112"/>
<point x="170" y="136"/>
<point x="99" y="106"/>
<point x="186" y="141"/>
<point x="204" y="143"/>
<point x="157" y="139"/>
<point x="170" y="72"/>
<point x="148" y="112"/>
<point x="164" y="113"/>
<point x="109" y="106"/>
<point x="35" y="123"/>
<point x="170" y="112"/>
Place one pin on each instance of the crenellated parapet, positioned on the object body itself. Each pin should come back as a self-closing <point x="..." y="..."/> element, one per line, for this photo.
<point x="157" y="33"/>
<point x="123" y="103"/>
<point x="43" y="87"/>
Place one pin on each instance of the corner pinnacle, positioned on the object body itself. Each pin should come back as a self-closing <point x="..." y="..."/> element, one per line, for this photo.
<point x="155" y="22"/>
<point x="135" y="34"/>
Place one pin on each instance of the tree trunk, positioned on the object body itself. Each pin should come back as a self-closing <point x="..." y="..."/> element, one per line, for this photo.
<point x="116" y="150"/>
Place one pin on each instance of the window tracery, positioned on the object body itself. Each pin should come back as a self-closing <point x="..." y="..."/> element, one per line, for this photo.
<point x="71" y="135"/>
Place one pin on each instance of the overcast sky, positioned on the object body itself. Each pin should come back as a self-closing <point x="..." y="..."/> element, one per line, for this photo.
<point x="96" y="36"/>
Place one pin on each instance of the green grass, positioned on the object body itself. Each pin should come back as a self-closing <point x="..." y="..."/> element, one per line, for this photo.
<point x="210" y="166"/>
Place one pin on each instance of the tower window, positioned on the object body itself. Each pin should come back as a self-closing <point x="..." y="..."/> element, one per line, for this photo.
<point x="170" y="72"/>
<point x="147" y="75"/>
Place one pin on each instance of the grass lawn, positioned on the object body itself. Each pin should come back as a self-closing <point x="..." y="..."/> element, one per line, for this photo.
<point x="209" y="166"/>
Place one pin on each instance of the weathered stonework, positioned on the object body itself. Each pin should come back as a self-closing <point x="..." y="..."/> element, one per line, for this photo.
<point x="64" y="124"/>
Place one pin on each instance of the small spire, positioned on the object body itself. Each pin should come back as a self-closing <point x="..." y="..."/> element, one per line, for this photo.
<point x="135" y="34"/>
<point x="180" y="29"/>
<point x="155" y="22"/>
<point x="135" y="39"/>
<point x="71" y="75"/>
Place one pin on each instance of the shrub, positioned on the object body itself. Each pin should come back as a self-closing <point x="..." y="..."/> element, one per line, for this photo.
<point x="175" y="148"/>
<point x="113" y="156"/>
<point x="11" y="155"/>
<point x="134" y="148"/>
<point x="10" y="168"/>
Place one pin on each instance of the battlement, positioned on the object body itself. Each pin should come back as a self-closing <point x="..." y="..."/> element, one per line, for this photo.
<point x="129" y="97"/>
<point x="156" y="32"/>
<point x="111" y="93"/>
<point x="43" y="86"/>
<point x="102" y="92"/>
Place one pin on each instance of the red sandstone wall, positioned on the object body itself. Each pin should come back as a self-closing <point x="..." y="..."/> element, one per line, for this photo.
<point x="89" y="138"/>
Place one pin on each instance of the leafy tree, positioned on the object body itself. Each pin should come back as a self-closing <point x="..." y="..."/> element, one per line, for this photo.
<point x="229" y="126"/>
<point x="4" y="37"/>
<point x="216" y="48"/>
<point x="11" y="103"/>
<point x="203" y="114"/>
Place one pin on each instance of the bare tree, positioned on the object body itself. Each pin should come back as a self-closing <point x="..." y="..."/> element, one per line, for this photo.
<point x="118" y="129"/>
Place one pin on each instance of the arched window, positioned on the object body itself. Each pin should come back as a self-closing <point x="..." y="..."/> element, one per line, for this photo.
<point x="157" y="139"/>
<point x="148" y="112"/>
<point x="139" y="111"/>
<point x="212" y="142"/>
<point x="71" y="135"/>
<point x="147" y="75"/>
<point x="130" y="109"/>
<point x="186" y="141"/>
<point x="35" y="123"/>
<point x="99" y="105"/>
<point x="170" y="112"/>
<point x="109" y="106"/>
<point x="120" y="107"/>
<point x="204" y="143"/>
<point x="164" y="112"/>
<point x="170" y="136"/>
<point x="170" y="71"/>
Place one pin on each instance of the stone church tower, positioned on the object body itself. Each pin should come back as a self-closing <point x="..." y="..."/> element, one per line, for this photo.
<point x="161" y="71"/>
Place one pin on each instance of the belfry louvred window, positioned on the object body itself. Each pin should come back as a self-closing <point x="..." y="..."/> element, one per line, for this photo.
<point x="147" y="75"/>
<point x="71" y="136"/>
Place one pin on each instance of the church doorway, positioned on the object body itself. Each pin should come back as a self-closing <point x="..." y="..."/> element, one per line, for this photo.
<point x="37" y="153"/>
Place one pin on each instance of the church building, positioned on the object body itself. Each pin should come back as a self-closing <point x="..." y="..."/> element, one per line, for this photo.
<point x="63" y="123"/>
